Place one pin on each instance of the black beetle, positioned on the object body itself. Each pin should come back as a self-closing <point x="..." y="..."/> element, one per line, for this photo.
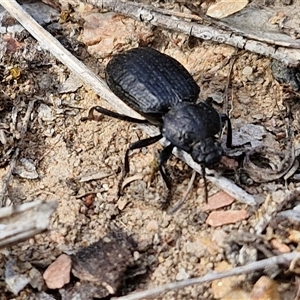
<point x="159" y="88"/>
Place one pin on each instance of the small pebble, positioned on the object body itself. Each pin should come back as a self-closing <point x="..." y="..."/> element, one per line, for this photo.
<point x="182" y="274"/>
<point x="152" y="226"/>
<point x="136" y="255"/>
<point x="58" y="273"/>
<point x="247" y="71"/>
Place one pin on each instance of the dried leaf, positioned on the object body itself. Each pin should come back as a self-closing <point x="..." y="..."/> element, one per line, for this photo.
<point x="95" y="176"/>
<point x="26" y="169"/>
<point x="102" y="265"/>
<point x="225" y="8"/>
<point x="249" y="134"/>
<point x="72" y="84"/>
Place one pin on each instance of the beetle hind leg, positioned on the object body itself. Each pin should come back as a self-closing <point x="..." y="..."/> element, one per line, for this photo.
<point x="113" y="114"/>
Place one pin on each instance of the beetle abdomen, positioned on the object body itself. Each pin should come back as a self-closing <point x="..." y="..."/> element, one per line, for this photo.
<point x="150" y="82"/>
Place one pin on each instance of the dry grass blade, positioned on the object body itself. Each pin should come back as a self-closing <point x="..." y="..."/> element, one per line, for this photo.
<point x="284" y="259"/>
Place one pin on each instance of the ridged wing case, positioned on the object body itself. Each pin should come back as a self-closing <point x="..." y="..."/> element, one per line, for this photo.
<point x="150" y="82"/>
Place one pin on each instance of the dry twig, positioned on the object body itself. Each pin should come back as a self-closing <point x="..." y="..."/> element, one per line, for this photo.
<point x="286" y="51"/>
<point x="19" y="223"/>
<point x="284" y="259"/>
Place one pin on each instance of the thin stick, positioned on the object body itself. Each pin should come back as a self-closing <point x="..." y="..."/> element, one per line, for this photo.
<point x="283" y="259"/>
<point x="285" y="51"/>
<point x="222" y="182"/>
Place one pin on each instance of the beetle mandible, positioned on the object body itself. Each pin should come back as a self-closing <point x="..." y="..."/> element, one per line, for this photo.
<point x="159" y="88"/>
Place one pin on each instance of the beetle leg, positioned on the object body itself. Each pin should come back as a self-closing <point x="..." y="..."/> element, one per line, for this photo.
<point x="225" y="118"/>
<point x="164" y="156"/>
<point x="135" y="145"/>
<point x="115" y="115"/>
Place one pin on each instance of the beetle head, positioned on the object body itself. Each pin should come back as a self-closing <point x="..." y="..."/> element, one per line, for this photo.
<point x="207" y="152"/>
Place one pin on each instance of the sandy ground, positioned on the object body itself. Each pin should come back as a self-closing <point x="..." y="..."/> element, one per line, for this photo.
<point x="65" y="150"/>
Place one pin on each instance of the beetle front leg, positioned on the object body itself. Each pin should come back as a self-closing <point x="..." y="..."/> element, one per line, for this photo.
<point x="135" y="145"/>
<point x="163" y="158"/>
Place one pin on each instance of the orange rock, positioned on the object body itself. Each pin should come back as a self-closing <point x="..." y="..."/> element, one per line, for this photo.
<point x="58" y="273"/>
<point x="281" y="247"/>
<point x="223" y="287"/>
<point x="265" y="288"/>
<point x="89" y="200"/>
<point x="218" y="200"/>
<point x="218" y="218"/>
<point x="237" y="294"/>
<point x="294" y="236"/>
<point x="106" y="32"/>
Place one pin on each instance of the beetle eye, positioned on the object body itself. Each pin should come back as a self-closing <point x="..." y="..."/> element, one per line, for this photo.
<point x="181" y="136"/>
